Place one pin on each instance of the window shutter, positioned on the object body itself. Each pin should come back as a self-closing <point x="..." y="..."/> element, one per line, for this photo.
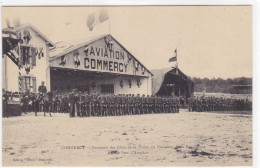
<point x="28" y="55"/>
<point x="21" y="53"/>
<point x="33" y="52"/>
<point x="29" y="50"/>
<point x="22" y="84"/>
<point x="34" y="84"/>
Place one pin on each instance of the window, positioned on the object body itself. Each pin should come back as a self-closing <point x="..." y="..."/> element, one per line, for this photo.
<point x="109" y="88"/>
<point x="28" y="84"/>
<point x="27" y="55"/>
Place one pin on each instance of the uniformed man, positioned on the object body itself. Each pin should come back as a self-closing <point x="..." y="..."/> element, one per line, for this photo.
<point x="138" y="104"/>
<point x="81" y="104"/>
<point x="42" y="89"/>
<point x="87" y="105"/>
<point x="72" y="104"/>
<point x="124" y="106"/>
<point x="5" y="99"/>
<point x="57" y="104"/>
<point x="49" y="103"/>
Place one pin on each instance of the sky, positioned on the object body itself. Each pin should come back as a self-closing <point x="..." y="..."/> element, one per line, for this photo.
<point x="211" y="41"/>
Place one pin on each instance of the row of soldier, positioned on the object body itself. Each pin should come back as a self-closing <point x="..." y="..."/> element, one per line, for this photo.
<point x="83" y="104"/>
<point x="202" y="103"/>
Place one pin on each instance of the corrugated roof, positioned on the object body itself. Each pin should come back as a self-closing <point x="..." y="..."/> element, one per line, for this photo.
<point x="64" y="47"/>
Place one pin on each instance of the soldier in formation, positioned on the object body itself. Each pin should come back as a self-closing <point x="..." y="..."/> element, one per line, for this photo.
<point x="200" y="104"/>
<point x="87" y="105"/>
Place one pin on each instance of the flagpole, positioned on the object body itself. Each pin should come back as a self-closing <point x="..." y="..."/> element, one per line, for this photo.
<point x="177" y="72"/>
<point x="109" y="21"/>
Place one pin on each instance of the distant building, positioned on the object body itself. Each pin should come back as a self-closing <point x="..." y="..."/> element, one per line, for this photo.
<point x="170" y="81"/>
<point x="242" y="89"/>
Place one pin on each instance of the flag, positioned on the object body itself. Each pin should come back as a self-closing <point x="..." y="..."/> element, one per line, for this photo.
<point x="172" y="59"/>
<point x="96" y="18"/>
<point x="20" y="82"/>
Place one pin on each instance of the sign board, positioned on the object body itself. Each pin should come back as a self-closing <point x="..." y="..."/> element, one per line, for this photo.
<point x="102" y="55"/>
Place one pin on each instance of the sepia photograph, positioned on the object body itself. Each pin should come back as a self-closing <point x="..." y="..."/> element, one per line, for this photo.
<point x="127" y="86"/>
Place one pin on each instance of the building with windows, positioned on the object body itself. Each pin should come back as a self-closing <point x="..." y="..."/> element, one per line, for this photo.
<point x="94" y="65"/>
<point x="25" y="65"/>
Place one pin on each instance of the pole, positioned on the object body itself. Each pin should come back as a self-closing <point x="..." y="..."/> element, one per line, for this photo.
<point x="109" y="21"/>
<point x="179" y="78"/>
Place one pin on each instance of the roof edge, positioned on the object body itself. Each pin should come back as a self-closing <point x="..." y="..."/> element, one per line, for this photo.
<point x="50" y="43"/>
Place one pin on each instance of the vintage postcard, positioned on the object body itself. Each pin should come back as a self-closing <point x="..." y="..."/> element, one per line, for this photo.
<point x="127" y="86"/>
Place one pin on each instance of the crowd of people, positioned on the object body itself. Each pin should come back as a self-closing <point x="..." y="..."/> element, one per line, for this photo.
<point x="84" y="105"/>
<point x="202" y="103"/>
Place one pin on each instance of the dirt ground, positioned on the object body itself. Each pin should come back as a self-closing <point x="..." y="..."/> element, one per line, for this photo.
<point x="181" y="139"/>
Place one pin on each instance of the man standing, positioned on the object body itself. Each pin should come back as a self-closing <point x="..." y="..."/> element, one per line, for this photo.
<point x="72" y="104"/>
<point x="4" y="103"/>
<point x="42" y="89"/>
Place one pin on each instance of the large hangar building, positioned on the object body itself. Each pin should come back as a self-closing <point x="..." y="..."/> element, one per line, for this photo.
<point x="97" y="65"/>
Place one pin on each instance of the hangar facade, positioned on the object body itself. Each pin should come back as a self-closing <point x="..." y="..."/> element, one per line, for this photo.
<point x="98" y="65"/>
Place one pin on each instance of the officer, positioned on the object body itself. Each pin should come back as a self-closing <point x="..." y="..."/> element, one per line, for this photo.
<point x="81" y="104"/>
<point x="178" y="102"/>
<point x="147" y="104"/>
<point x="25" y="102"/>
<point x="133" y="101"/>
<point x="124" y="106"/>
<point x="101" y="101"/>
<point x="116" y="105"/>
<point x="138" y="104"/>
<point x="107" y="105"/>
<point x="57" y="104"/>
<point x="72" y="104"/>
<point x="130" y="104"/>
<point x="76" y="99"/>
<point x="126" y="112"/>
<point x="120" y="99"/>
<point x="152" y="104"/>
<point x="5" y="99"/>
<point x="49" y="103"/>
<point x="95" y="105"/>
<point x="42" y="89"/>
<point x="87" y="105"/>
<point x="63" y="104"/>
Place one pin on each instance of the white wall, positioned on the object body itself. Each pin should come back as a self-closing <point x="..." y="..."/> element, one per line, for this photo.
<point x="10" y="78"/>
